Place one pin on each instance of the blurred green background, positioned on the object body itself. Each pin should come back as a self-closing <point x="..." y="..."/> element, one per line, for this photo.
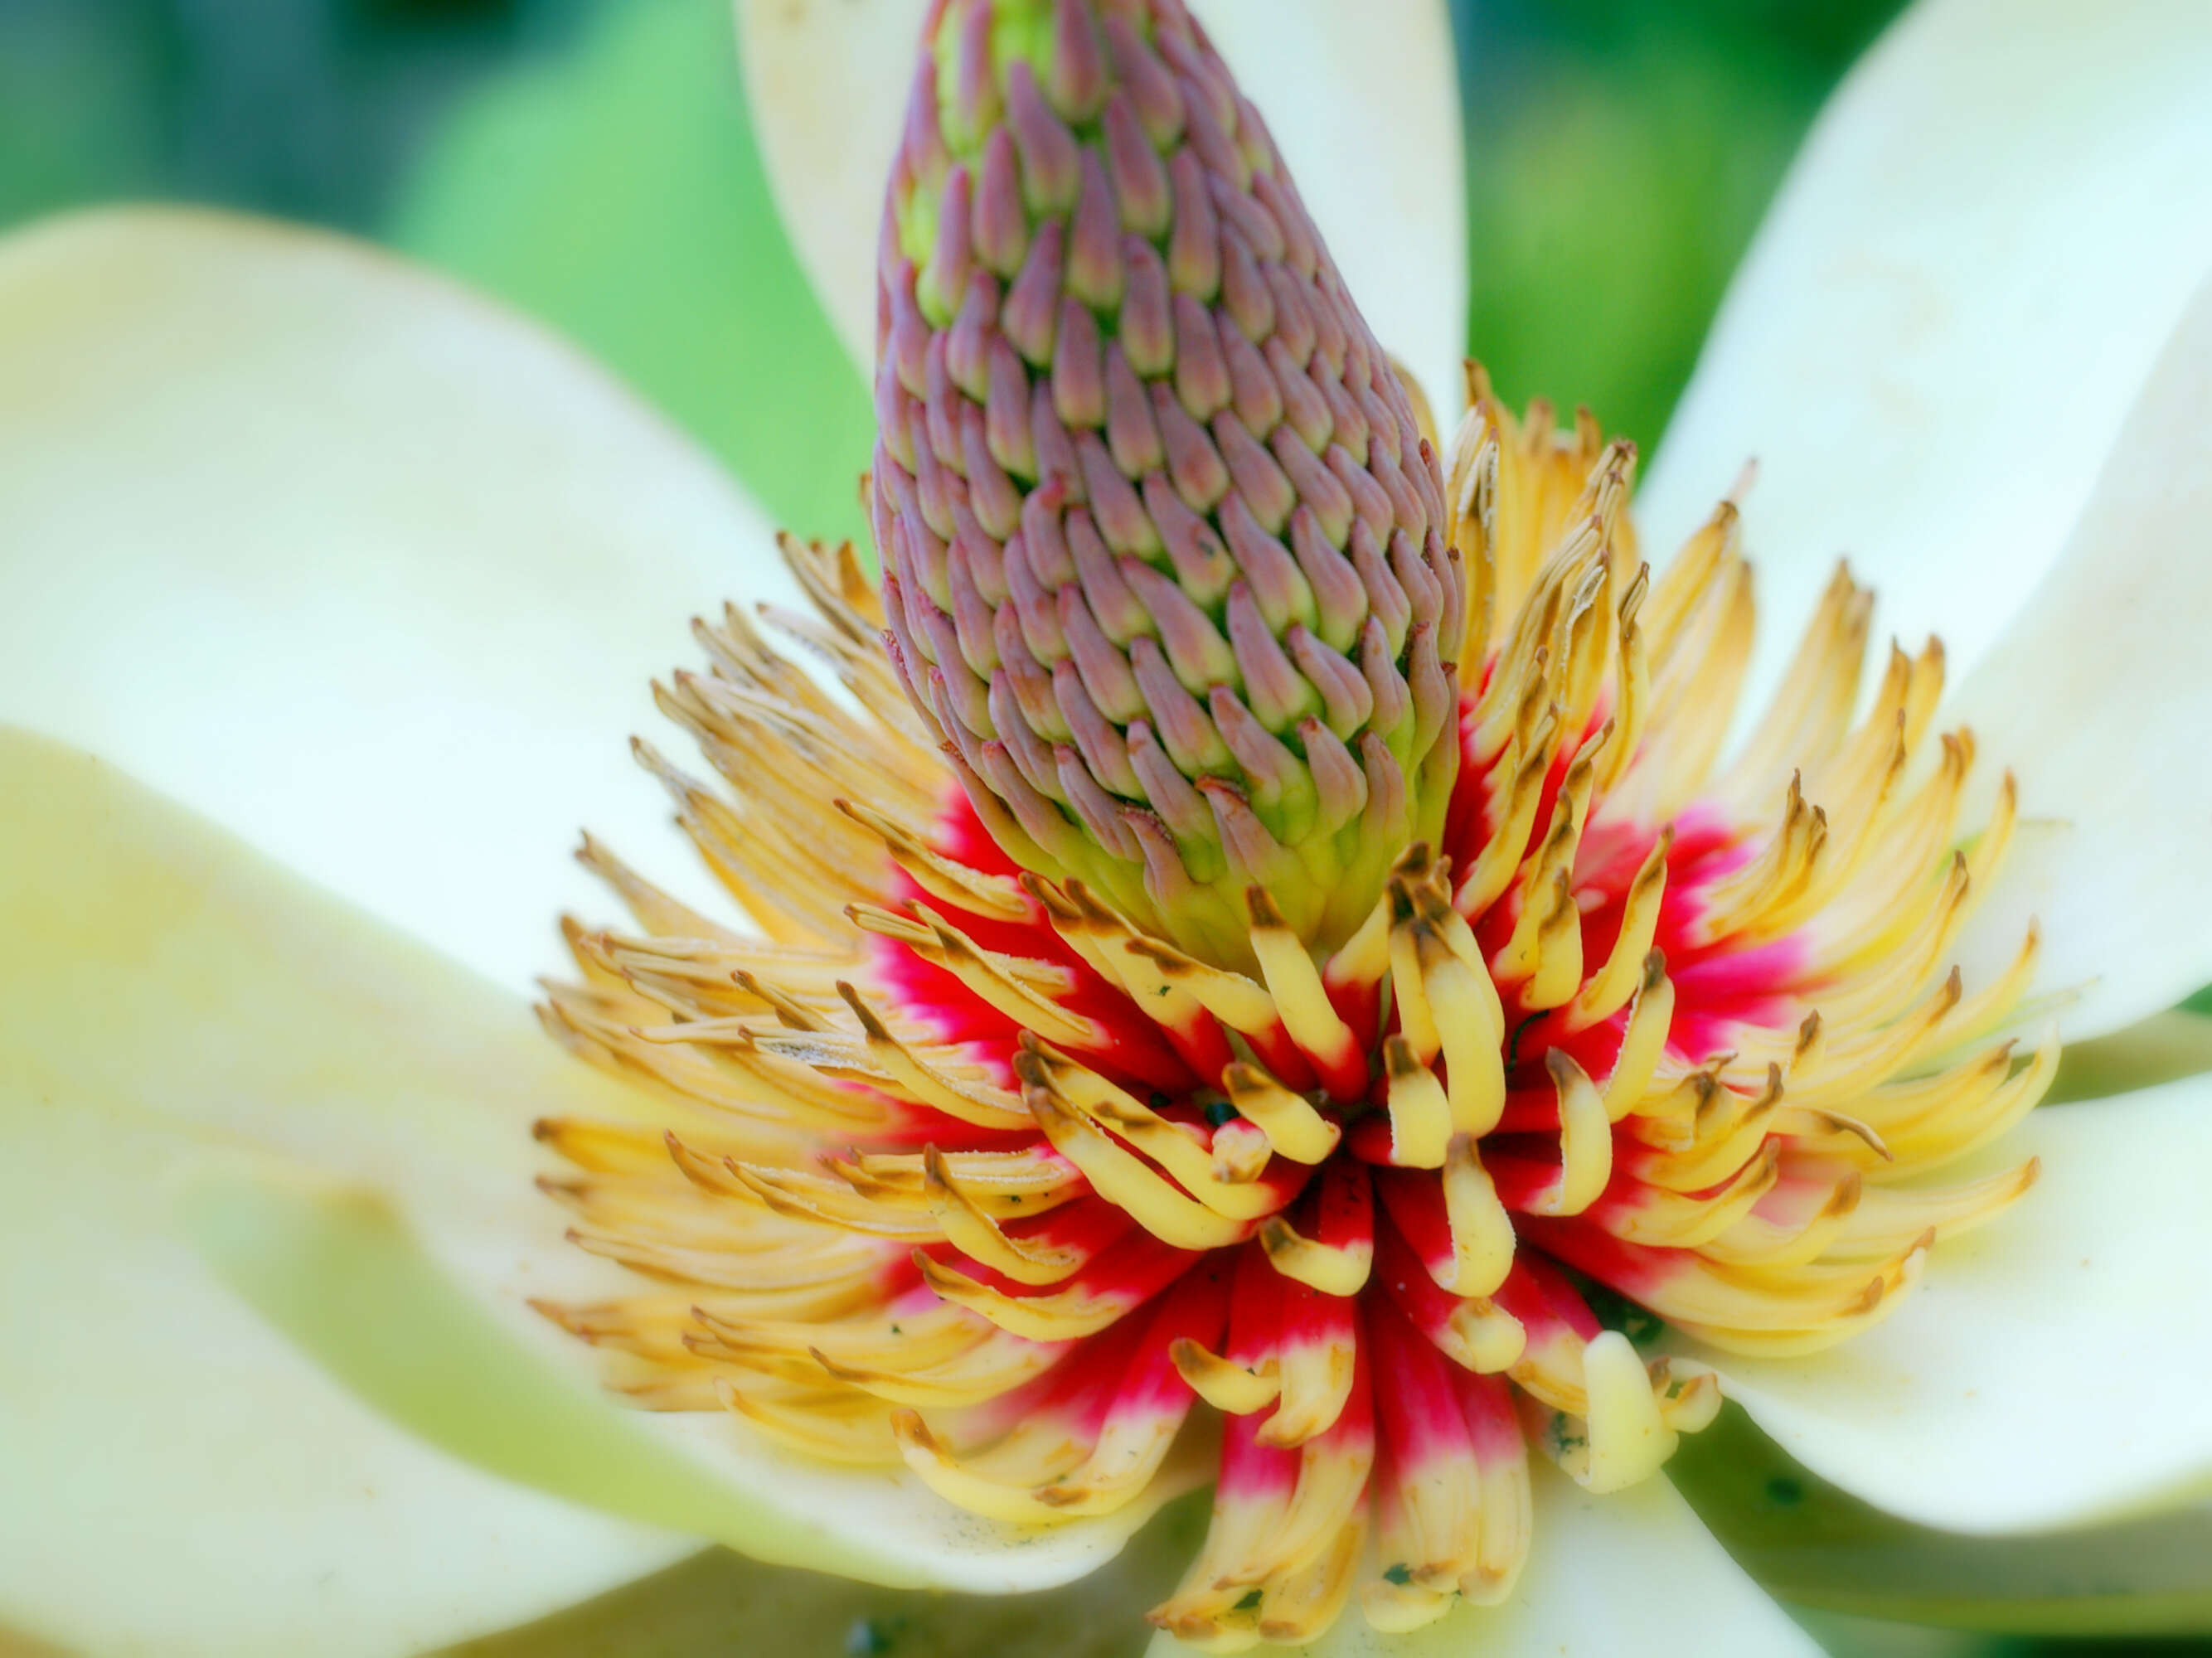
<point x="590" y="161"/>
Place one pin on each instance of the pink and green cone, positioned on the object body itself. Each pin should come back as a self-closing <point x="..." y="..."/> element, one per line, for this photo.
<point x="1163" y="543"/>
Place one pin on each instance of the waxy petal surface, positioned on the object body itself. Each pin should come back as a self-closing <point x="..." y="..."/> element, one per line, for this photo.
<point x="175" y="1478"/>
<point x="2050" y="1370"/>
<point x="1933" y="344"/>
<point x="2099" y="697"/>
<point x="362" y="566"/>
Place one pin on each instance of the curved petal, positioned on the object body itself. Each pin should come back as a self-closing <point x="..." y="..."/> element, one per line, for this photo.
<point x="1933" y="343"/>
<point x="175" y="1478"/>
<point x="375" y="1197"/>
<point x="1634" y="1571"/>
<point x="2050" y="1371"/>
<point x="1815" y="1545"/>
<point x="1363" y="102"/>
<point x="826" y="86"/>
<point x="2100" y="694"/>
<point x="355" y="563"/>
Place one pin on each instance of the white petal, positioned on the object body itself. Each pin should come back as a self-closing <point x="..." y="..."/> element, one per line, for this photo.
<point x="175" y="1478"/>
<point x="1632" y="1572"/>
<point x="1363" y="102"/>
<point x="826" y="84"/>
<point x="388" y="1221"/>
<point x="2099" y="697"/>
<point x="2051" y="1370"/>
<point x="1970" y="271"/>
<point x="357" y="564"/>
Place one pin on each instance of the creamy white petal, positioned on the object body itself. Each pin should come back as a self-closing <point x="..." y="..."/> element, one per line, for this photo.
<point x="2051" y="1370"/>
<point x="1972" y="266"/>
<point x="358" y="564"/>
<point x="2099" y="697"/>
<point x="826" y="84"/>
<point x="175" y="1478"/>
<point x="1363" y="102"/>
<point x="1632" y="1572"/>
<point x="372" y="1104"/>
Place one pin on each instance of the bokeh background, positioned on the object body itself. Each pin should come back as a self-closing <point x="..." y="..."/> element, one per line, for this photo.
<point x="589" y="161"/>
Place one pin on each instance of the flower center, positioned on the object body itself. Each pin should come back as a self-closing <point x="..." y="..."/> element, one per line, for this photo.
<point x="1265" y="966"/>
<point x="973" y="1173"/>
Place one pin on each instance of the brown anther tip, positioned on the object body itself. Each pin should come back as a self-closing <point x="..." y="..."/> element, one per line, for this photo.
<point x="851" y="997"/>
<point x="544" y="1128"/>
<point x="1412" y="863"/>
<point x="1051" y="899"/>
<point x="1262" y="909"/>
<point x="1172" y="964"/>
<point x="1087" y="903"/>
<point x="1432" y="906"/>
<point x="1402" y="900"/>
<point x="1845" y="1197"/>
<point x="1655" y="969"/>
<point x="1398" y="1058"/>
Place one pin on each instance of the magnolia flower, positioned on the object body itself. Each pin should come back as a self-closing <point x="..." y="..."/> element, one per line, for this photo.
<point x="1267" y="939"/>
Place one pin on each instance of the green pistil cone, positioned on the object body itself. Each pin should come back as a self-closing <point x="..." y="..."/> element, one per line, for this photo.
<point x="1164" y="549"/>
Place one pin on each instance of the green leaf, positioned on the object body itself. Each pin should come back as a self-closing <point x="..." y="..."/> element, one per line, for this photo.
<point x="617" y="193"/>
<point x="2163" y="1048"/>
<point x="1811" y="1543"/>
